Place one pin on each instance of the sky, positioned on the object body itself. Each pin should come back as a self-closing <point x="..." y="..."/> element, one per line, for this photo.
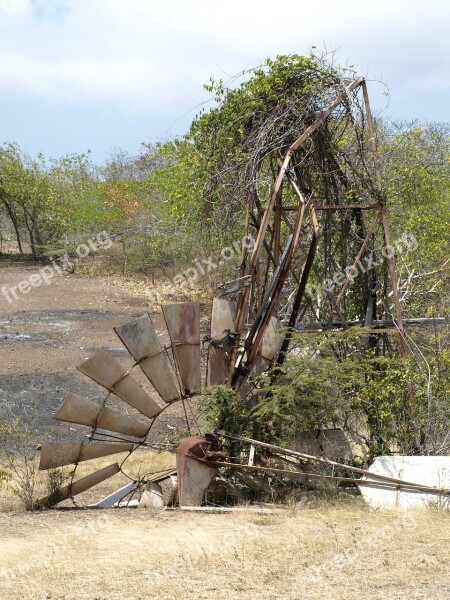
<point x="105" y="74"/>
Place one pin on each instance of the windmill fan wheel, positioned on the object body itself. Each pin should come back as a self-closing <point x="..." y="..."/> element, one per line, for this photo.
<point x="174" y="372"/>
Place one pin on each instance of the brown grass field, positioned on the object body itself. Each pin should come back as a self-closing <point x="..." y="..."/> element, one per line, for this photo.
<point x="313" y="549"/>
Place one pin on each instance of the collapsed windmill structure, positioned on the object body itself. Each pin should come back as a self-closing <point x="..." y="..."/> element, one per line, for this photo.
<point x="318" y="187"/>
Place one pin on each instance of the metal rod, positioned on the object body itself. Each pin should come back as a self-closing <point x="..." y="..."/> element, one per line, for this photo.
<point x="337" y="207"/>
<point x="385" y="484"/>
<point x="314" y="325"/>
<point x="383" y="214"/>
<point x="313" y="458"/>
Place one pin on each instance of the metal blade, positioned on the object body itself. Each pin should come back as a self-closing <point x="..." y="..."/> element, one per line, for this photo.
<point x="183" y="325"/>
<point x="106" y="371"/>
<point x="115" y="497"/>
<point x="219" y="351"/>
<point x="140" y="339"/>
<point x="222" y="317"/>
<point x="79" y="410"/>
<point x="58" y="454"/>
<point x="270" y="346"/>
<point x="77" y="487"/>
<point x="272" y="340"/>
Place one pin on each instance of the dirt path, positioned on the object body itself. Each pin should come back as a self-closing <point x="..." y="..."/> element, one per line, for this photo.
<point x="47" y="332"/>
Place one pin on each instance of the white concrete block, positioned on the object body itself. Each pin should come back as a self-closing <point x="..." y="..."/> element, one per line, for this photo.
<point x="432" y="471"/>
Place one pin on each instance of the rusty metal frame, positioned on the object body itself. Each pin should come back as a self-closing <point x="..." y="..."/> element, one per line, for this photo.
<point x="269" y="224"/>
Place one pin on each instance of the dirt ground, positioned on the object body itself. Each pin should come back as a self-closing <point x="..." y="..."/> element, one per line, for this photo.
<point x="47" y="332"/>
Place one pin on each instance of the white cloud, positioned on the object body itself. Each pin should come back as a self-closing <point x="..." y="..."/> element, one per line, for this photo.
<point x="15" y="8"/>
<point x="144" y="56"/>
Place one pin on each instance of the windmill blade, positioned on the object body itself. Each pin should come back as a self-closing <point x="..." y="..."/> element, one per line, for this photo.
<point x="141" y="341"/>
<point x="183" y="325"/>
<point x="272" y="340"/>
<point x="58" y="454"/>
<point x="77" y="487"/>
<point x="106" y="371"/>
<point x="79" y="410"/>
<point x="219" y="352"/>
<point x="270" y="347"/>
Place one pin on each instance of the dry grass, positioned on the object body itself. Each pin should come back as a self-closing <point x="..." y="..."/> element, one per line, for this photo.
<point x="315" y="550"/>
<point x="136" y="466"/>
<point x="341" y="551"/>
<point x="312" y="550"/>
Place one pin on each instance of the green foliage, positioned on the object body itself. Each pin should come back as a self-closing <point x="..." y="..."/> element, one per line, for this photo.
<point x="222" y="403"/>
<point x="405" y="405"/>
<point x="56" y="479"/>
<point x="40" y="199"/>
<point x="177" y="190"/>
<point x="225" y="132"/>
<point x="260" y="118"/>
<point x="384" y="402"/>
<point x="234" y="413"/>
<point x="417" y="175"/>
<point x="407" y="408"/>
<point x="174" y="183"/>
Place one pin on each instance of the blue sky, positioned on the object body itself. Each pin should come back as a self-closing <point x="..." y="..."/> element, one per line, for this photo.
<point x="103" y="74"/>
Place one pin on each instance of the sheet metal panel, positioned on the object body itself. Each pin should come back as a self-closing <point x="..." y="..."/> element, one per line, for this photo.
<point x="59" y="454"/>
<point x="79" y="410"/>
<point x="141" y="340"/>
<point x="107" y="372"/>
<point x="183" y="325"/>
<point x="272" y="340"/>
<point x="219" y="352"/>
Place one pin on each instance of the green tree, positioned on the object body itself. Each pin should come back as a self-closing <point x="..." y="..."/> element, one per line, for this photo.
<point x="40" y="199"/>
<point x="417" y="174"/>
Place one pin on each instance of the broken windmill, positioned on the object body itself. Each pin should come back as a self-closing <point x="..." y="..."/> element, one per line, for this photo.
<point x="304" y="182"/>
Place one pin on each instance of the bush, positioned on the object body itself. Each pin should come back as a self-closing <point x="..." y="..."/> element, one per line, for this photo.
<point x="18" y="456"/>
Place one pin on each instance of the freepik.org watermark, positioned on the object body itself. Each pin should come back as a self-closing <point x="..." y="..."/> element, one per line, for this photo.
<point x="206" y="266"/>
<point x="329" y="285"/>
<point x="365" y="544"/>
<point x="45" y="275"/>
